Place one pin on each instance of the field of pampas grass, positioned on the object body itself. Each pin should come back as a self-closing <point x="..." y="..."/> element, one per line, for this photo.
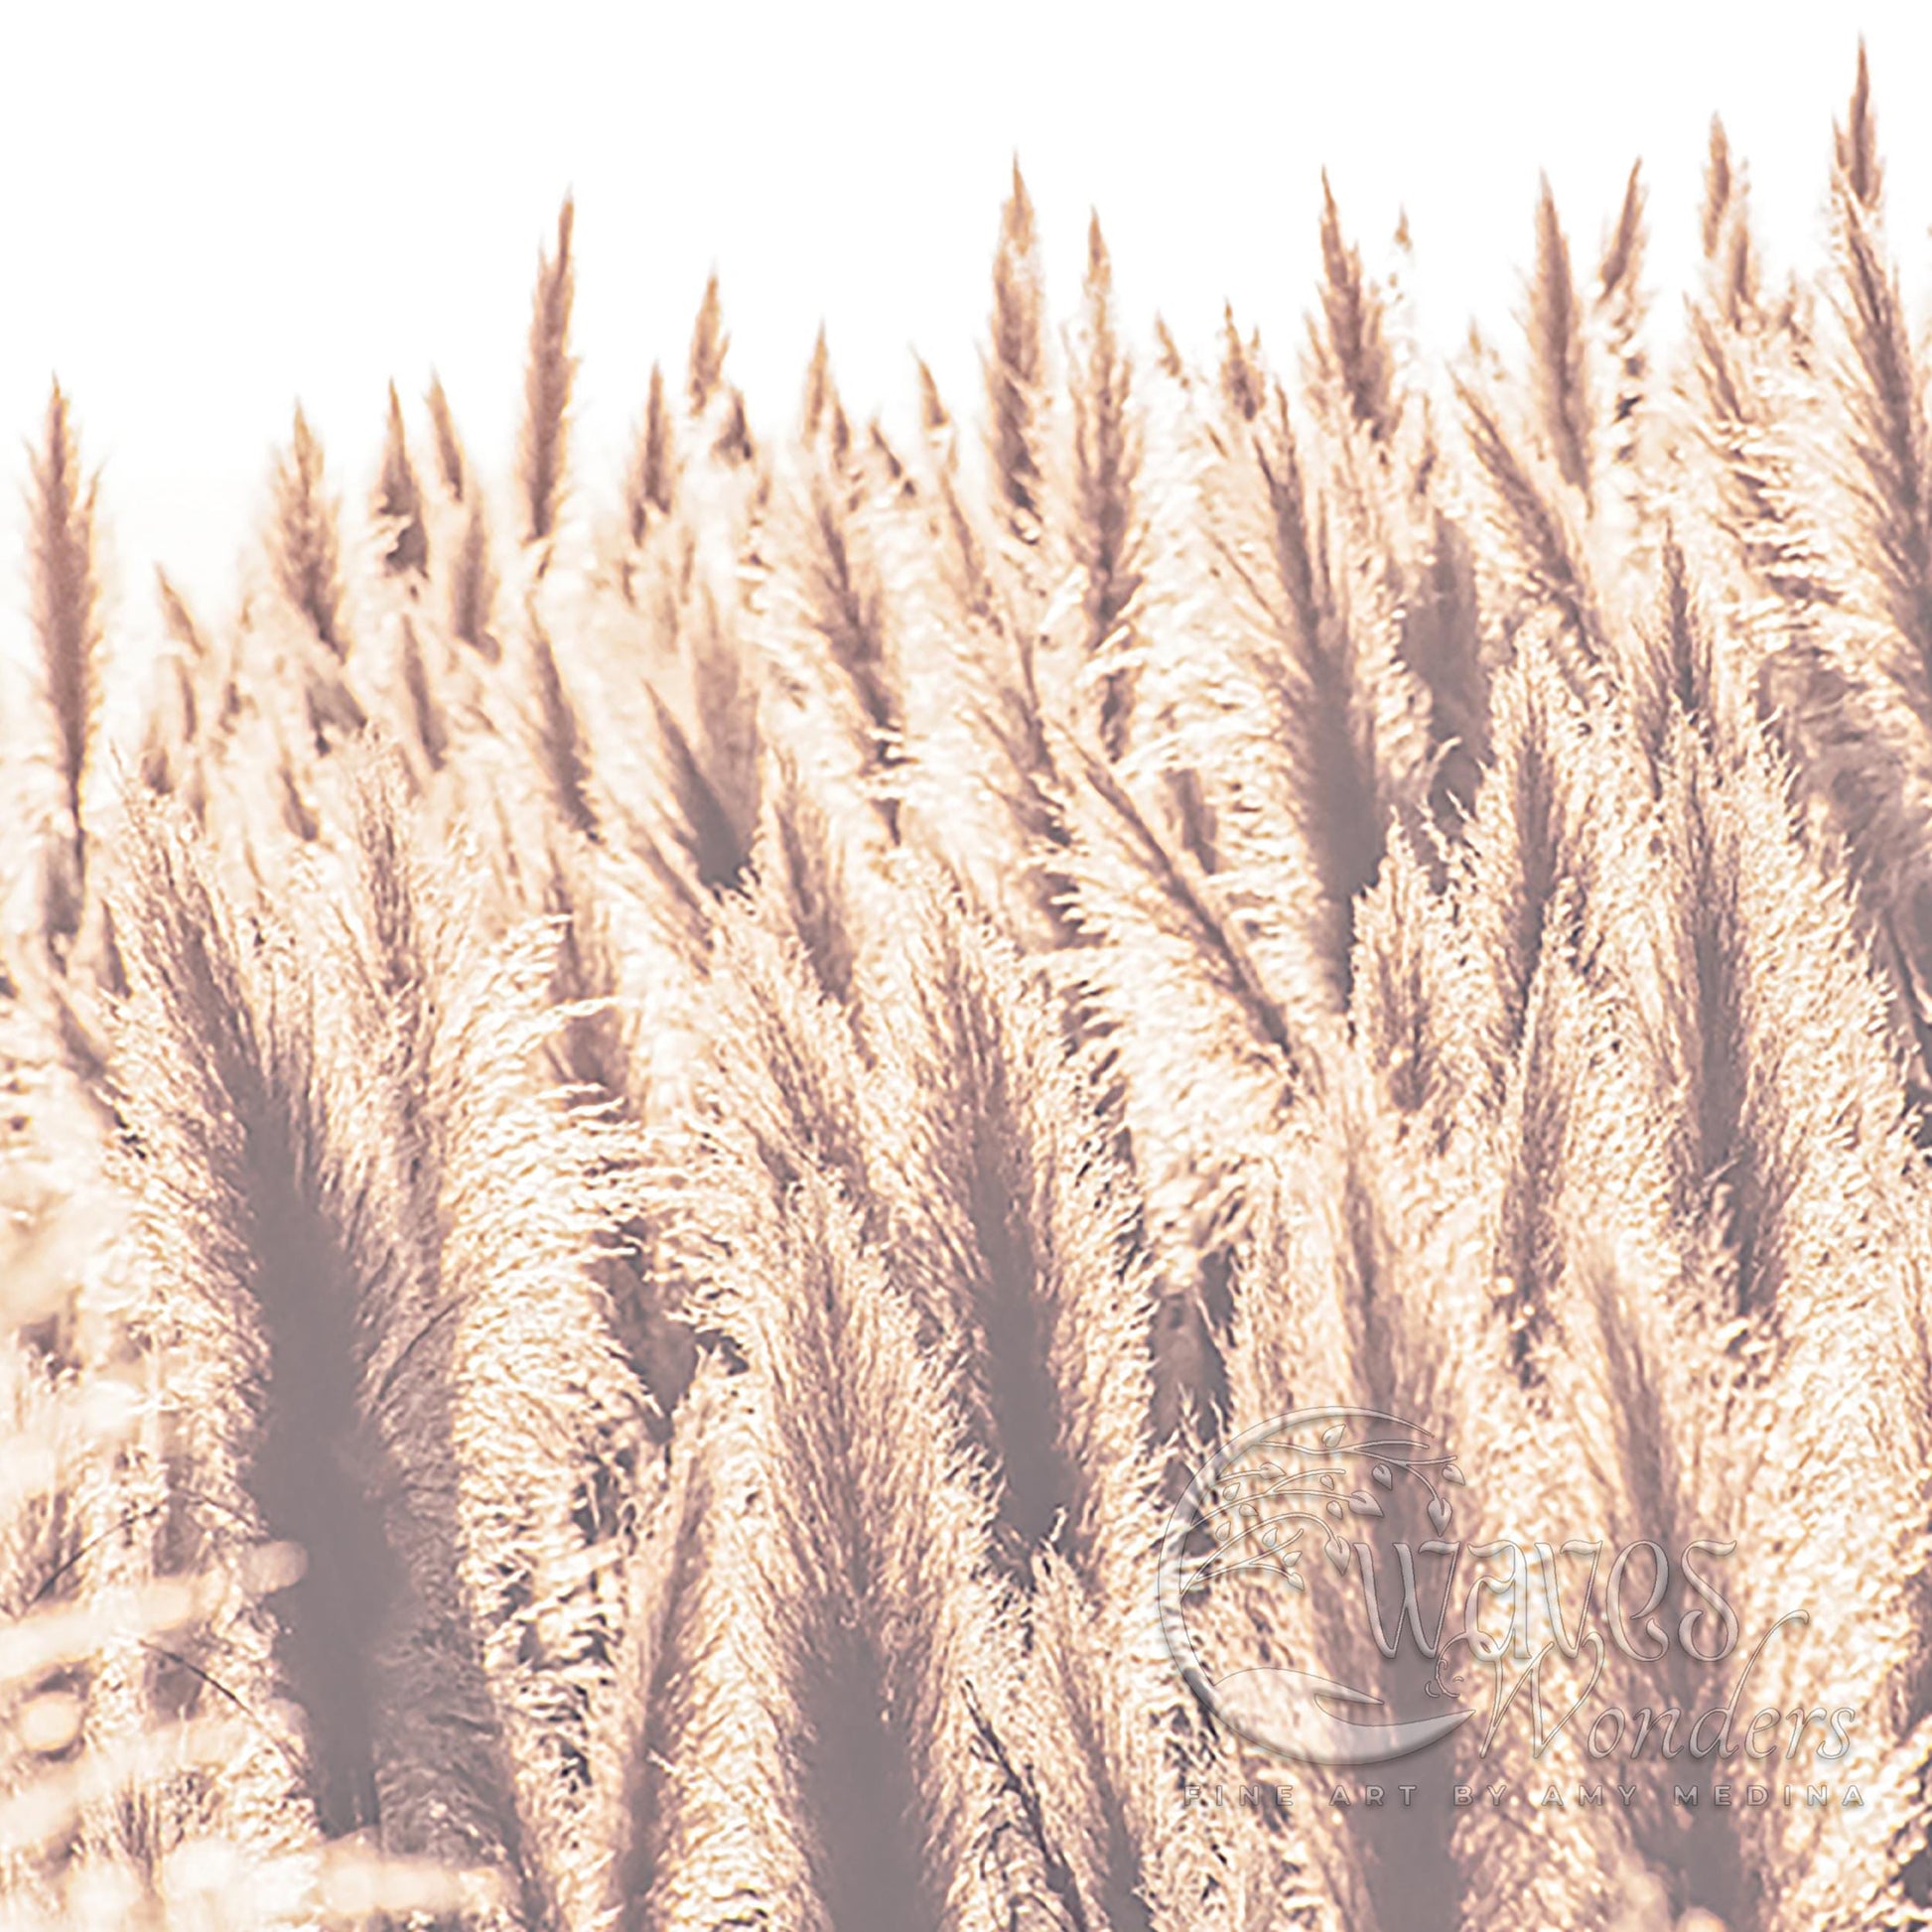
<point x="651" y="1120"/>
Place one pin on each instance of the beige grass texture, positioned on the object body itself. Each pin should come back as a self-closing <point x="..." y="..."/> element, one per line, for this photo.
<point x="645" y="1131"/>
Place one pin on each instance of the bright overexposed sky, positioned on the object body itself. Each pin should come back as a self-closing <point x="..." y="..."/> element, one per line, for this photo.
<point x="212" y="209"/>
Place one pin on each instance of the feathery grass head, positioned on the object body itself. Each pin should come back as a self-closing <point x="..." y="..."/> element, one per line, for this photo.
<point x="705" y="367"/>
<point x="1356" y="334"/>
<point x="548" y="373"/>
<point x="1016" y="368"/>
<point x="650" y="487"/>
<point x="1882" y="385"/>
<point x="1556" y="349"/>
<point x="1244" y="384"/>
<point x="1108" y="534"/>
<point x="1538" y="539"/>
<point x="934" y="417"/>
<point x="451" y="462"/>
<point x="562" y="754"/>
<point x="1730" y="252"/>
<point x="66" y="629"/>
<point x="1855" y="144"/>
<point x="821" y="415"/>
<point x="1620" y="306"/>
<point x="304" y="544"/>
<point x="472" y="585"/>
<point x="1717" y="184"/>
<point x="400" y="501"/>
<point x="1623" y="259"/>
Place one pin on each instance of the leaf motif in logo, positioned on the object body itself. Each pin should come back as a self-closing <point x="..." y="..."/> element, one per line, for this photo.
<point x="1382" y="1477"/>
<point x="1453" y="1475"/>
<point x="1336" y="1551"/>
<point x="1363" y="1504"/>
<point x="1438" y="1513"/>
<point x="1331" y="1437"/>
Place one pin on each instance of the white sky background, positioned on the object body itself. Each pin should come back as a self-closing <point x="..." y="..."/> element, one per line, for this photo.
<point x="211" y="211"/>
